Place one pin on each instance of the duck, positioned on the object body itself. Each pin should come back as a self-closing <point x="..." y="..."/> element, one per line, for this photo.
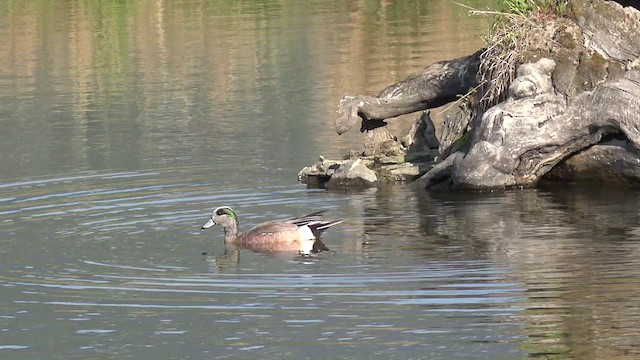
<point x="299" y="234"/>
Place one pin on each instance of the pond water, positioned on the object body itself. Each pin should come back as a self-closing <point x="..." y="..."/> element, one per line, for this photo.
<point x="123" y="124"/>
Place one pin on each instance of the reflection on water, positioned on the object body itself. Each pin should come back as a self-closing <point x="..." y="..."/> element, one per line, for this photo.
<point x="139" y="84"/>
<point x="574" y="251"/>
<point x="124" y="123"/>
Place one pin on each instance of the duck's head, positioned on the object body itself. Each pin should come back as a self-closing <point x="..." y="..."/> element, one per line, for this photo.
<point x="222" y="215"/>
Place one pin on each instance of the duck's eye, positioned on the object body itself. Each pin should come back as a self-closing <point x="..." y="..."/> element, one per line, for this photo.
<point x="220" y="212"/>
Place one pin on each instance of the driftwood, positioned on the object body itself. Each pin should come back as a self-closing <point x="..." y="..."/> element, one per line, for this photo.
<point x="435" y="85"/>
<point x="573" y="108"/>
<point x="523" y="138"/>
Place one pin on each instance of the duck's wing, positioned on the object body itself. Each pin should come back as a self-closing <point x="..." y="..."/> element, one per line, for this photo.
<point x="271" y="236"/>
<point x="271" y="227"/>
<point x="305" y="219"/>
<point x="285" y="225"/>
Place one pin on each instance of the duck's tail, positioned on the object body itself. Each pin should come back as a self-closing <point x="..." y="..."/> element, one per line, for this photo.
<point x="306" y="219"/>
<point x="319" y="226"/>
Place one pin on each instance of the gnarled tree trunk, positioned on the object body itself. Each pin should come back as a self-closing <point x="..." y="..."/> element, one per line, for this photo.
<point x="573" y="107"/>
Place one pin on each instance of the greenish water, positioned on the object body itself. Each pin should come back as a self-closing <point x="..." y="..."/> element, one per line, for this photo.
<point x="123" y="124"/>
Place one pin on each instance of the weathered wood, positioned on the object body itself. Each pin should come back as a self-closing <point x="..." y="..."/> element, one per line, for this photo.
<point x="421" y="135"/>
<point x="440" y="175"/>
<point x="615" y="162"/>
<point x="612" y="28"/>
<point x="577" y="99"/>
<point x="454" y="128"/>
<point x="521" y="139"/>
<point x="433" y="86"/>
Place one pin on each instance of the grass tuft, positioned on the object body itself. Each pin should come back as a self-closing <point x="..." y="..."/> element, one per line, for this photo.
<point x="523" y="28"/>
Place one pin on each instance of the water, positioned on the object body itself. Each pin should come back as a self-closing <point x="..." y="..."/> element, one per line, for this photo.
<point x="123" y="124"/>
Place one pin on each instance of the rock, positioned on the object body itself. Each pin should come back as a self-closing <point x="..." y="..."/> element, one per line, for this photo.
<point x="422" y="135"/>
<point x="404" y="171"/>
<point x="360" y="171"/>
<point x="319" y="172"/>
<point x="391" y="148"/>
<point x="353" y="174"/>
<point x="381" y="160"/>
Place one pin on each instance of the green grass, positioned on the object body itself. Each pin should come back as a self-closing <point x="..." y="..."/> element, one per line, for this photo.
<point x="526" y="7"/>
<point x="517" y="29"/>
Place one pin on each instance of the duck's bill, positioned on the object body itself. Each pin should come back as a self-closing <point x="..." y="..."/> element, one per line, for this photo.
<point x="209" y="224"/>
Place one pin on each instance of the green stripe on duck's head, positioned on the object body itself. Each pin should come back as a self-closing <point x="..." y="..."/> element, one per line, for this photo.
<point x="225" y="210"/>
<point x="224" y="216"/>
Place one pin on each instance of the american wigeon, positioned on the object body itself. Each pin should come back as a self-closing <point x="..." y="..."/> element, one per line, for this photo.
<point x="294" y="234"/>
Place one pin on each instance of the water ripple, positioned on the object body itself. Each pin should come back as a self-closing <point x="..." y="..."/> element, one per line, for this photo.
<point x="425" y="287"/>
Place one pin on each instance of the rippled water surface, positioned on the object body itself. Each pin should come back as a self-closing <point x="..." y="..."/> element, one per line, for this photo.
<point x="123" y="124"/>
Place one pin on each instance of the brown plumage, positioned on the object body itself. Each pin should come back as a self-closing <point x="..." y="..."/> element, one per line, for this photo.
<point x="294" y="234"/>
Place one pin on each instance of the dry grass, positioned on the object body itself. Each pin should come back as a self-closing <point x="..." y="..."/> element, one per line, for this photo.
<point x="517" y="35"/>
<point x="507" y="44"/>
